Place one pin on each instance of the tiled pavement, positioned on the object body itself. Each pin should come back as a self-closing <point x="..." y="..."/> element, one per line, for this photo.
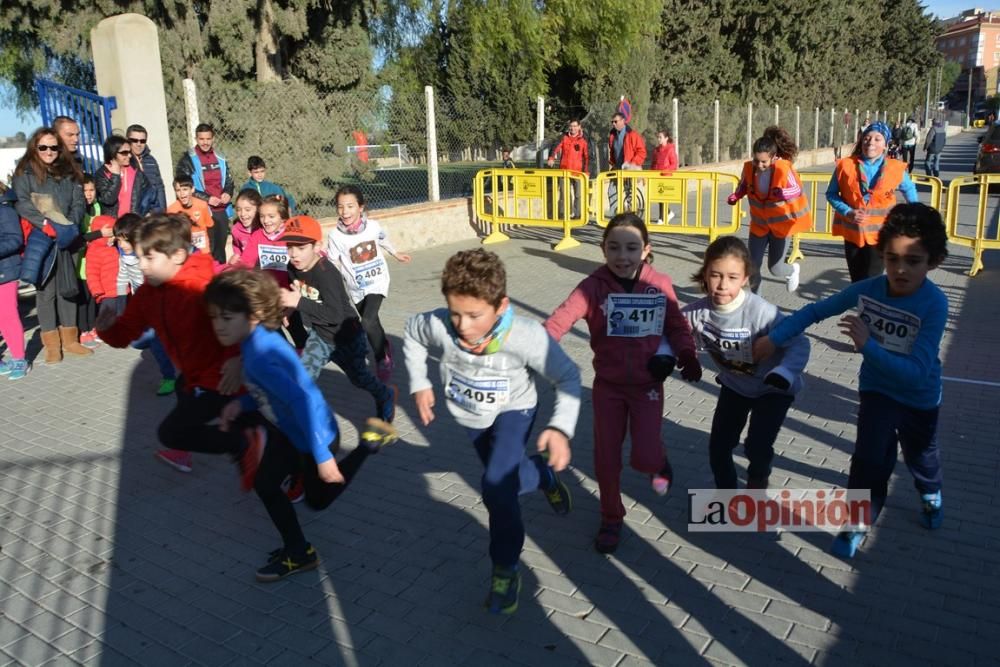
<point x="108" y="557"/>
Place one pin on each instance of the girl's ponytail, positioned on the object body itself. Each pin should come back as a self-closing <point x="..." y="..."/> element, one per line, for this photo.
<point x="784" y="145"/>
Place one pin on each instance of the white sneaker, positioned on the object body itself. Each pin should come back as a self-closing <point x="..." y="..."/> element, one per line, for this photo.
<point x="658" y="221"/>
<point x="793" y="280"/>
<point x="670" y="216"/>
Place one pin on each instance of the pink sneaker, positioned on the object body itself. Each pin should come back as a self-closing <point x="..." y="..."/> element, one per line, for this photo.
<point x="176" y="459"/>
<point x="90" y="339"/>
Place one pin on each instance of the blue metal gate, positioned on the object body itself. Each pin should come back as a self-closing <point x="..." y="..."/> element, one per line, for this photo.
<point x="91" y="112"/>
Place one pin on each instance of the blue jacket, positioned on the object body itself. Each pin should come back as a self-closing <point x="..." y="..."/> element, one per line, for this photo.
<point x="155" y="196"/>
<point x="11" y="240"/>
<point x="873" y="169"/>
<point x="190" y="165"/>
<point x="284" y="393"/>
<point x="267" y="188"/>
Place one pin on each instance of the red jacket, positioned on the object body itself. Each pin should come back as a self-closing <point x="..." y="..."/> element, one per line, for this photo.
<point x="572" y="153"/>
<point x="617" y="359"/>
<point x="665" y="158"/>
<point x="633" y="148"/>
<point x="102" y="262"/>
<point x="176" y="311"/>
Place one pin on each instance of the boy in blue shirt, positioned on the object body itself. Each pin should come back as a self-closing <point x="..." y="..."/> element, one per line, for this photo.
<point x="257" y="169"/>
<point x="898" y="327"/>
<point x="287" y="411"/>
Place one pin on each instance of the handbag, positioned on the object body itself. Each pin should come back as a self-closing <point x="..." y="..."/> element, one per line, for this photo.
<point x="67" y="283"/>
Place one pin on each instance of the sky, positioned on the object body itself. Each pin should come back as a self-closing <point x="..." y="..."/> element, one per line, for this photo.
<point x="11" y="123"/>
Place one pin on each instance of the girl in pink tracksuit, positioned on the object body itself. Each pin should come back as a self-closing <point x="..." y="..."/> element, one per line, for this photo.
<point x="629" y="308"/>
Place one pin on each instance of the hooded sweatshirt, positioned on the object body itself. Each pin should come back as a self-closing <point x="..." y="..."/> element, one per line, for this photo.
<point x="625" y="327"/>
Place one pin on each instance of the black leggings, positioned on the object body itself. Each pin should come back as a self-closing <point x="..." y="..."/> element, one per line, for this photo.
<point x="86" y="308"/>
<point x="220" y="235"/>
<point x="862" y="263"/>
<point x="368" y="309"/>
<point x="280" y="460"/>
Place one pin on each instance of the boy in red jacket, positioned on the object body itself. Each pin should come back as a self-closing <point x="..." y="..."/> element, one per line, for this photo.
<point x="171" y="303"/>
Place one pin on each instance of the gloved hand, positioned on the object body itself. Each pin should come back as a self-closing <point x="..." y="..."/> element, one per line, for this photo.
<point x="732" y="199"/>
<point x="690" y="368"/>
<point x="660" y="366"/>
<point x="778" y="381"/>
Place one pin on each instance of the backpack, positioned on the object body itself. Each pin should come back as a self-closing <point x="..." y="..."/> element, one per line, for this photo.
<point x="908" y="133"/>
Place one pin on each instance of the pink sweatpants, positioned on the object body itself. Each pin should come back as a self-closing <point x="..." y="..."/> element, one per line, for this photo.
<point x="10" y="322"/>
<point x="638" y="408"/>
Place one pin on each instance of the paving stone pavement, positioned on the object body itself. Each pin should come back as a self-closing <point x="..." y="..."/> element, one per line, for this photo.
<point x="108" y="557"/>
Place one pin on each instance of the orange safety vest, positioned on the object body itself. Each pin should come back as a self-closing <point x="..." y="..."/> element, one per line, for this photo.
<point x="776" y="216"/>
<point x="851" y="179"/>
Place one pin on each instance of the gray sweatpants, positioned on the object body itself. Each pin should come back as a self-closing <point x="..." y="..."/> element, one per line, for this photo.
<point x="777" y="254"/>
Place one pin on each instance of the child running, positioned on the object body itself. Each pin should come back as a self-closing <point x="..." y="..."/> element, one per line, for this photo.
<point x="489" y="358"/>
<point x="778" y="207"/>
<point x="170" y="302"/>
<point x="898" y="327"/>
<point x="272" y="257"/>
<point x="629" y="307"/>
<point x="287" y="410"/>
<point x="246" y="230"/>
<point x="725" y="323"/>
<point x="353" y="247"/>
<point x="196" y="210"/>
<point x="317" y="293"/>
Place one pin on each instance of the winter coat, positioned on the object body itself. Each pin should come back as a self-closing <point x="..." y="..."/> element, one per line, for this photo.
<point x="633" y="149"/>
<point x="155" y="195"/>
<point x="40" y="249"/>
<point x="665" y="158"/>
<point x="572" y="153"/>
<point x="102" y="262"/>
<point x="108" y="186"/>
<point x="11" y="241"/>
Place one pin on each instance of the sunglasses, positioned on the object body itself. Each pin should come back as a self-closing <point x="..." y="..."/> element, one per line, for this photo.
<point x="125" y="152"/>
<point x="136" y="141"/>
<point x="45" y="147"/>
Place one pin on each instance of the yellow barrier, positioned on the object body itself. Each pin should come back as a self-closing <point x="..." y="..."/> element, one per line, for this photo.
<point x="645" y="190"/>
<point x="978" y="242"/>
<point x="530" y="197"/>
<point x="814" y="185"/>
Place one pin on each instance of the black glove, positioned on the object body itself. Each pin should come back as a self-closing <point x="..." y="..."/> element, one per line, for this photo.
<point x="690" y="368"/>
<point x="660" y="366"/>
<point x="776" y="380"/>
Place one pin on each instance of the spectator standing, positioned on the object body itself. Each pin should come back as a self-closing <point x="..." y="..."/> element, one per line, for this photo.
<point x="257" y="170"/>
<point x="626" y="150"/>
<point x="908" y="133"/>
<point x="120" y="182"/>
<point x="209" y="170"/>
<point x="933" y="146"/>
<point x="572" y="153"/>
<point x="665" y="161"/>
<point x="155" y="196"/>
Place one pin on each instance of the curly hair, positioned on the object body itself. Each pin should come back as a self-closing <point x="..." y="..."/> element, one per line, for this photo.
<point x="249" y="292"/>
<point x="477" y="273"/>
<point x="916" y="221"/>
<point x="776" y="141"/>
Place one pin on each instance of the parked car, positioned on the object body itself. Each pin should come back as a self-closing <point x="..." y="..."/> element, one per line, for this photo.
<point x="988" y="159"/>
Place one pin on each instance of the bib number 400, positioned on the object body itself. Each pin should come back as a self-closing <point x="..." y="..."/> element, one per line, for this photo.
<point x="888" y="328"/>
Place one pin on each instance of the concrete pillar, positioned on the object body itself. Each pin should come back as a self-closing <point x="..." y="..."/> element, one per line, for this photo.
<point x="126" y="52"/>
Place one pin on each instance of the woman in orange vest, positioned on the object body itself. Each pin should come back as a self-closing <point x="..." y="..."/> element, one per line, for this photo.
<point x="778" y="207"/>
<point x="861" y="192"/>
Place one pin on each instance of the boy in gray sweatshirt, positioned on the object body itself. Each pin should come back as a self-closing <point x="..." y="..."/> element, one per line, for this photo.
<point x="489" y="358"/>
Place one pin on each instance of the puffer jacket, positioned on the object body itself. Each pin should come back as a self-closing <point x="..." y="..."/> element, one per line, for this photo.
<point x="108" y="186"/>
<point x="11" y="241"/>
<point x="40" y="249"/>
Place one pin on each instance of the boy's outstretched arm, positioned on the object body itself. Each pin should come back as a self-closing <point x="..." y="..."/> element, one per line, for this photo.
<point x="416" y="339"/>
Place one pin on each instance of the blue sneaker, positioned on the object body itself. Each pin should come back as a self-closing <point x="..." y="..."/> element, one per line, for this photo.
<point x="846" y="543"/>
<point x="505" y="586"/>
<point x="18" y="369"/>
<point x="932" y="514"/>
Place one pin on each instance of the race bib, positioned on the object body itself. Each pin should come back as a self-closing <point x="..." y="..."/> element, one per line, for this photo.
<point x="478" y="395"/>
<point x="636" y="315"/>
<point x="735" y="346"/>
<point x="894" y="329"/>
<point x="273" y="257"/>
<point x="369" y="273"/>
<point x="199" y="240"/>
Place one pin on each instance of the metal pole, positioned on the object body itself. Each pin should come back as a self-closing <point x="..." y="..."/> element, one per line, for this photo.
<point x="749" y="130"/>
<point x="777" y="116"/>
<point x="677" y="139"/>
<point x="433" y="184"/>
<point x="857" y="112"/>
<point x="191" y="108"/>
<point x="968" y="102"/>
<point x="539" y="122"/>
<point x="798" y="120"/>
<point x="816" y="131"/>
<point x="715" y="133"/>
<point x="833" y="125"/>
<point x="927" y="102"/>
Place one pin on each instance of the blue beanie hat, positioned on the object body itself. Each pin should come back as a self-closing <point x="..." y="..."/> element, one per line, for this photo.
<point x="881" y="128"/>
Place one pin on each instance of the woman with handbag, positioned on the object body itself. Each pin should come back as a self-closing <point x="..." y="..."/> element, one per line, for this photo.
<point x="49" y="190"/>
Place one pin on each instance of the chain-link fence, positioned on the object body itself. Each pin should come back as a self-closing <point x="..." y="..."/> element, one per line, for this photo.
<point x="313" y="144"/>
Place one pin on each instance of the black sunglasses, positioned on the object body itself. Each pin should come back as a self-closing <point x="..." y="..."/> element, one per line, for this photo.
<point x="136" y="141"/>
<point x="45" y="147"/>
<point x="125" y="152"/>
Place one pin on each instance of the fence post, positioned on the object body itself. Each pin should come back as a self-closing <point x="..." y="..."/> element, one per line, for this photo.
<point x="856" y="112"/>
<point x="539" y="123"/>
<point x="798" y="122"/>
<point x="777" y="116"/>
<point x="816" y="131"/>
<point x="833" y="126"/>
<point x="191" y="108"/>
<point x="715" y="133"/>
<point x="749" y="130"/>
<point x="433" y="184"/>
<point x="677" y="127"/>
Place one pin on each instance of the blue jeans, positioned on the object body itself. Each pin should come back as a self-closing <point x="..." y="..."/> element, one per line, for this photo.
<point x="884" y="422"/>
<point x="932" y="164"/>
<point x="148" y="340"/>
<point x="509" y="473"/>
